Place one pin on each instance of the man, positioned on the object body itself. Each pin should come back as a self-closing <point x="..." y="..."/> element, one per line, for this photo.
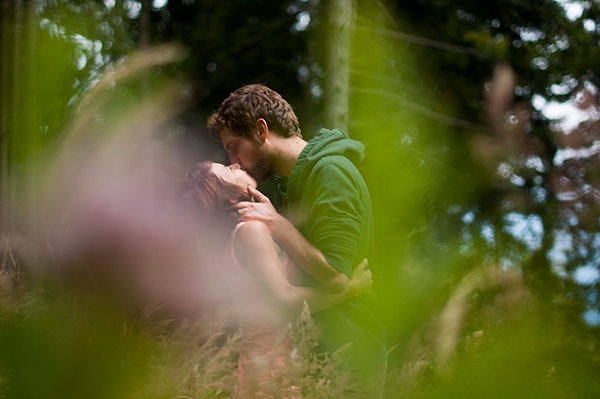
<point x="330" y="226"/>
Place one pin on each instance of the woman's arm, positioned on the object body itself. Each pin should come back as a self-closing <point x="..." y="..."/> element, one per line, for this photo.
<point x="257" y="253"/>
<point x="306" y="255"/>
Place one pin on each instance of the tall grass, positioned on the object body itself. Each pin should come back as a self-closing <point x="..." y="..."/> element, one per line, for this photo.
<point x="77" y="343"/>
<point x="73" y="342"/>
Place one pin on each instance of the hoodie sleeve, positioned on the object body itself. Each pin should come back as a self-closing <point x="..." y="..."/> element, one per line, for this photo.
<point x="336" y="211"/>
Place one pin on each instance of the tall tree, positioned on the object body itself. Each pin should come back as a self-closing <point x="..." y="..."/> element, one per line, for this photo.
<point x="340" y="23"/>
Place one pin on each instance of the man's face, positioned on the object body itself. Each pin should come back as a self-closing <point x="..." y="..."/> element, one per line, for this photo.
<point x="250" y="153"/>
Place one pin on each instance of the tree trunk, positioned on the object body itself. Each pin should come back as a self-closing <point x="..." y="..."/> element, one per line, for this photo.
<point x="29" y="113"/>
<point x="11" y="28"/>
<point x="144" y="27"/>
<point x="18" y="115"/>
<point x="5" y="12"/>
<point x="341" y="15"/>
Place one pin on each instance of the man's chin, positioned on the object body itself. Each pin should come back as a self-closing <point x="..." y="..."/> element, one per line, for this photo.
<point x="256" y="178"/>
<point x="251" y="175"/>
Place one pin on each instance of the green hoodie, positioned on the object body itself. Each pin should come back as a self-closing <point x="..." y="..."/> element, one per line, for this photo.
<point x="327" y="199"/>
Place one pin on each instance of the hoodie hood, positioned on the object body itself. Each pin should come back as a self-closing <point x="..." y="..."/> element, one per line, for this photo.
<point x="333" y="142"/>
<point x="326" y="143"/>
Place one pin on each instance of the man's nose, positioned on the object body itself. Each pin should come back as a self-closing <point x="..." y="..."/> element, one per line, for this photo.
<point x="233" y="159"/>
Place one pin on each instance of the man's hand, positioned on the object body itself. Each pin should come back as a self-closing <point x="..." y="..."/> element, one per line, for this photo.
<point x="308" y="257"/>
<point x="262" y="210"/>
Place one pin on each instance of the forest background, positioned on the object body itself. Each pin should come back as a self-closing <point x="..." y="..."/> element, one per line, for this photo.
<point x="481" y="122"/>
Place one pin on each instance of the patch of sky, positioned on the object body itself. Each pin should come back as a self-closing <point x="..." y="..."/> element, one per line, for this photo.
<point x="566" y="86"/>
<point x="316" y="90"/>
<point x="303" y="73"/>
<point x="529" y="34"/>
<point x="592" y="317"/>
<point x="302" y="22"/>
<point x="86" y="50"/>
<point x="89" y="51"/>
<point x="541" y="63"/>
<point x="535" y="163"/>
<point x="562" y="245"/>
<point x="568" y="114"/>
<point x="53" y="29"/>
<point x="573" y="9"/>
<point x="565" y="154"/>
<point x="562" y="42"/>
<point x="540" y="194"/>
<point x="133" y="8"/>
<point x="592" y="314"/>
<point x="505" y="170"/>
<point x="517" y="180"/>
<point x="590" y="25"/>
<point x="508" y="264"/>
<point x="466" y="236"/>
<point x="522" y="90"/>
<point x="158" y="4"/>
<point x="586" y="275"/>
<point x="488" y="234"/>
<point x="465" y="15"/>
<point x="527" y="229"/>
<point x="468" y="218"/>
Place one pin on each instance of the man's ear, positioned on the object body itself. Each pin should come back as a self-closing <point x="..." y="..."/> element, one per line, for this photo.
<point x="262" y="129"/>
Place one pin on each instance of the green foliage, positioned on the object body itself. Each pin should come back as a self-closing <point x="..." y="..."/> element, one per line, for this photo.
<point x="446" y="205"/>
<point x="223" y="36"/>
<point x="57" y="51"/>
<point x="62" y="343"/>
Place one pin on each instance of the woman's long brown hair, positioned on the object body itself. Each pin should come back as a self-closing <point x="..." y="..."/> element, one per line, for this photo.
<point x="211" y="200"/>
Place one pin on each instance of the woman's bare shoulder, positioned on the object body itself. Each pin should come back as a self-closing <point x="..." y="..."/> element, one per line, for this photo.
<point x="253" y="234"/>
<point x="254" y="246"/>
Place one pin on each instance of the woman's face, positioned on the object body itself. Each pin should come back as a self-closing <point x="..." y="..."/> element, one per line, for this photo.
<point x="233" y="174"/>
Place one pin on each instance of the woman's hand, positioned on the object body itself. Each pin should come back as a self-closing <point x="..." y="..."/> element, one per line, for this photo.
<point x="361" y="282"/>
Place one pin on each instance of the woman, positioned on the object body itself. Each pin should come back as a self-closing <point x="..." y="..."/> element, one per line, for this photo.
<point x="259" y="275"/>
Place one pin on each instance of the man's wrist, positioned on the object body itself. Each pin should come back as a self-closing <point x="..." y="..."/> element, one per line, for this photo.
<point x="277" y="225"/>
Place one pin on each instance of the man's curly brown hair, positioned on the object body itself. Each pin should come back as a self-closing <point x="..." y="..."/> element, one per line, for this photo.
<point x="242" y="108"/>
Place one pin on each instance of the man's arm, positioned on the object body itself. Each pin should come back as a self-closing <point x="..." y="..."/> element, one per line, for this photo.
<point x="256" y="253"/>
<point x="306" y="255"/>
